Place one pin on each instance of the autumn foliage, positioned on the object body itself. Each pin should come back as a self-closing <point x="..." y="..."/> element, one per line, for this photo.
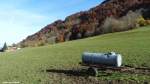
<point x="87" y="23"/>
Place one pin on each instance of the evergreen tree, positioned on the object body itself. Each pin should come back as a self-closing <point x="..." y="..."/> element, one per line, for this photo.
<point x="4" y="47"/>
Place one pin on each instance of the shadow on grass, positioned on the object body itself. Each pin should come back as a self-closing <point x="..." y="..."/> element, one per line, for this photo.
<point x="73" y="72"/>
<point x="76" y="73"/>
<point x="82" y="72"/>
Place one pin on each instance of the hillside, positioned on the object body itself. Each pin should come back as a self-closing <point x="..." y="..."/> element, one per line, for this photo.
<point x="85" y="23"/>
<point x="31" y="65"/>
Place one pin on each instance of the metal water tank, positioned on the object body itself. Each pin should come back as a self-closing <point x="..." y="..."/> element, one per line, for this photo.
<point x="108" y="59"/>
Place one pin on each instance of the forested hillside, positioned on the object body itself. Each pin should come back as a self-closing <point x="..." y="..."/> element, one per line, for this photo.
<point x="88" y="23"/>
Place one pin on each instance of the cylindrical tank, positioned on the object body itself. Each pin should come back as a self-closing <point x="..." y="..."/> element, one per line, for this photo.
<point x="108" y="59"/>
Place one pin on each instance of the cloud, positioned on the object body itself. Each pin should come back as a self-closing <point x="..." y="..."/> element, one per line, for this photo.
<point x="16" y="24"/>
<point x="20" y="18"/>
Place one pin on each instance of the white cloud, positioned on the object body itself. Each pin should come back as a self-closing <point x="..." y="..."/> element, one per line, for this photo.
<point x="16" y="24"/>
<point x="20" y="18"/>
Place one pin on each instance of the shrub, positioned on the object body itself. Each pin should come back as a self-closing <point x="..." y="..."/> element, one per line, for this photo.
<point x="107" y="25"/>
<point x="51" y="40"/>
<point x="41" y="44"/>
<point x="23" y="45"/>
<point x="111" y="25"/>
<point x="67" y="36"/>
<point x="127" y="22"/>
<point x="88" y="33"/>
<point x="142" y="22"/>
<point x="148" y="22"/>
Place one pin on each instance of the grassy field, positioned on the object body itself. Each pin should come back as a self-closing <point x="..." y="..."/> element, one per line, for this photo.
<point x="30" y="65"/>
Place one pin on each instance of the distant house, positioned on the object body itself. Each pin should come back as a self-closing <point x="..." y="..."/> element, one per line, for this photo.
<point x="6" y="48"/>
<point x="10" y="48"/>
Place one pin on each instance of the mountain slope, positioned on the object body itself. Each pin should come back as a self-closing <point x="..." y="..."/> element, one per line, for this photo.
<point x="29" y="65"/>
<point x="86" y="23"/>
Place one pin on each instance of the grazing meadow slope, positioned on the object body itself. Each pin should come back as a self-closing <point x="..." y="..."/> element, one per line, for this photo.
<point x="30" y="65"/>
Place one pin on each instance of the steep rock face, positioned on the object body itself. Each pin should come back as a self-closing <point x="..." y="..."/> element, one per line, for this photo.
<point x="85" y="23"/>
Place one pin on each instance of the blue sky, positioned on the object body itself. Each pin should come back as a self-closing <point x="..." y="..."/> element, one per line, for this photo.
<point x="20" y="18"/>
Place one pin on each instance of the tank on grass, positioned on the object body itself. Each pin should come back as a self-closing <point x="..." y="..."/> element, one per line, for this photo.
<point x="107" y="59"/>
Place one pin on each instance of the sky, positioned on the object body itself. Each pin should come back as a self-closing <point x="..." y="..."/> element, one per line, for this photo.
<point x="20" y="18"/>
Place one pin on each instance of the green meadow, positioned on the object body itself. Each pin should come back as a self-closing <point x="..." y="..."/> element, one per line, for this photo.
<point x="29" y="65"/>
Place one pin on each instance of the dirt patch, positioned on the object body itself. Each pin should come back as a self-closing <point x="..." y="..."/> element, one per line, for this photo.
<point x="136" y="70"/>
<point x="80" y="76"/>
